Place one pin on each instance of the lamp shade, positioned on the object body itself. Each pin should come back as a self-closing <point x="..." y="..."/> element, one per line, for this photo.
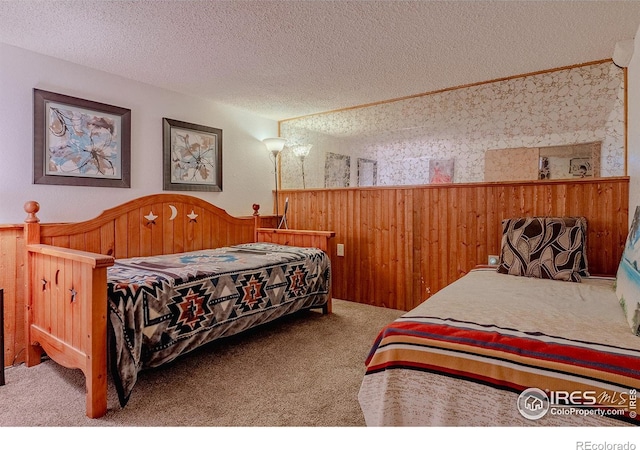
<point x="622" y="53"/>
<point x="274" y="145"/>
<point x="302" y="151"/>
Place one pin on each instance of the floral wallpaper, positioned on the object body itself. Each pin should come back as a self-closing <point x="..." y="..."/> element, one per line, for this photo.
<point x="562" y="107"/>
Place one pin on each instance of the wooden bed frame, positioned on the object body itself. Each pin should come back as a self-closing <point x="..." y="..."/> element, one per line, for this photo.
<point x="66" y="288"/>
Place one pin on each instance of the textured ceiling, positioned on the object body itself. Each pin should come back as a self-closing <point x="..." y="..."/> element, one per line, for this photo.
<point x="284" y="59"/>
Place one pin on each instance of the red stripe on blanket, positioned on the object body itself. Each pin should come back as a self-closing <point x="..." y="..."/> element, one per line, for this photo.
<point x="570" y="352"/>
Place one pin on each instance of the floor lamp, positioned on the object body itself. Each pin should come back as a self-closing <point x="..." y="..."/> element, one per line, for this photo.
<point x="302" y="151"/>
<point x="275" y="146"/>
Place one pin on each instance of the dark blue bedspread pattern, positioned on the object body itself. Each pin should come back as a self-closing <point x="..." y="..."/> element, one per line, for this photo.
<point x="163" y="306"/>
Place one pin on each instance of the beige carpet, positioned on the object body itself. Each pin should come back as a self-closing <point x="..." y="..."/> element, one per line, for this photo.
<point x="304" y="370"/>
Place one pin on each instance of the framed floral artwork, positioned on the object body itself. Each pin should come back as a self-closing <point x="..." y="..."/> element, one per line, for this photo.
<point x="80" y="142"/>
<point x="192" y="156"/>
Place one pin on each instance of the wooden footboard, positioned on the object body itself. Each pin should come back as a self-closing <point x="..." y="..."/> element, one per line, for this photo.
<point x="67" y="315"/>
<point x="299" y="238"/>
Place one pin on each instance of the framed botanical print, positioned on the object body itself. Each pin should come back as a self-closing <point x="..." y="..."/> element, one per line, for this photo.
<point x="192" y="156"/>
<point x="80" y="142"/>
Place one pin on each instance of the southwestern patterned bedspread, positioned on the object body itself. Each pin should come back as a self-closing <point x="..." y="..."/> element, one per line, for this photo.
<point x="163" y="306"/>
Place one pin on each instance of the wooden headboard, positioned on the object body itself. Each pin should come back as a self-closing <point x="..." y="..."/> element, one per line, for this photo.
<point x="151" y="225"/>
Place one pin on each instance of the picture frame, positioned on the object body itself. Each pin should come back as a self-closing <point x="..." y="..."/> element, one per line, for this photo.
<point x="581" y="167"/>
<point x="441" y="171"/>
<point x="80" y="142"/>
<point x="337" y="170"/>
<point x="367" y="172"/>
<point x="192" y="156"/>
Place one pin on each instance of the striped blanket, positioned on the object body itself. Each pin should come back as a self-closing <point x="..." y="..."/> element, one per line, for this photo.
<point x="579" y="374"/>
<point x="549" y="351"/>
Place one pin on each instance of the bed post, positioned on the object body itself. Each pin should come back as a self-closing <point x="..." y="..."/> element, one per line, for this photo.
<point x="95" y="369"/>
<point x="33" y="352"/>
<point x="256" y="221"/>
<point x="66" y="309"/>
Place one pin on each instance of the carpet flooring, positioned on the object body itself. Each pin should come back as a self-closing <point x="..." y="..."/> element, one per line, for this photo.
<point x="300" y="371"/>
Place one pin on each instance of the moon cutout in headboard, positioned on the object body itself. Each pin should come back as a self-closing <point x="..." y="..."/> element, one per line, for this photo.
<point x="174" y="212"/>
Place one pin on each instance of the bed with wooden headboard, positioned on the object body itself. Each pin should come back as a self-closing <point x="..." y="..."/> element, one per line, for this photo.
<point x="156" y="277"/>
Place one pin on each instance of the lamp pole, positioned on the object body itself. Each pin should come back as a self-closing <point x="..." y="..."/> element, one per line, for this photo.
<point x="275" y="172"/>
<point x="275" y="146"/>
<point x="302" y="151"/>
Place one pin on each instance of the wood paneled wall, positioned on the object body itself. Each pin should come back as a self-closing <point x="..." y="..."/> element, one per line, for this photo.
<point x="12" y="262"/>
<point x="403" y="244"/>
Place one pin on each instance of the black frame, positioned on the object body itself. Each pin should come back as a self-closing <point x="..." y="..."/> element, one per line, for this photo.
<point x="169" y="165"/>
<point x="41" y="132"/>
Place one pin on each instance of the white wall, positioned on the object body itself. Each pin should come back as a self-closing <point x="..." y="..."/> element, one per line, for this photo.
<point x="247" y="171"/>
<point x="633" y="143"/>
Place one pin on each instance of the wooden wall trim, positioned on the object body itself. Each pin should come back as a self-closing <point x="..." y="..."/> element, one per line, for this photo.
<point x="282" y="192"/>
